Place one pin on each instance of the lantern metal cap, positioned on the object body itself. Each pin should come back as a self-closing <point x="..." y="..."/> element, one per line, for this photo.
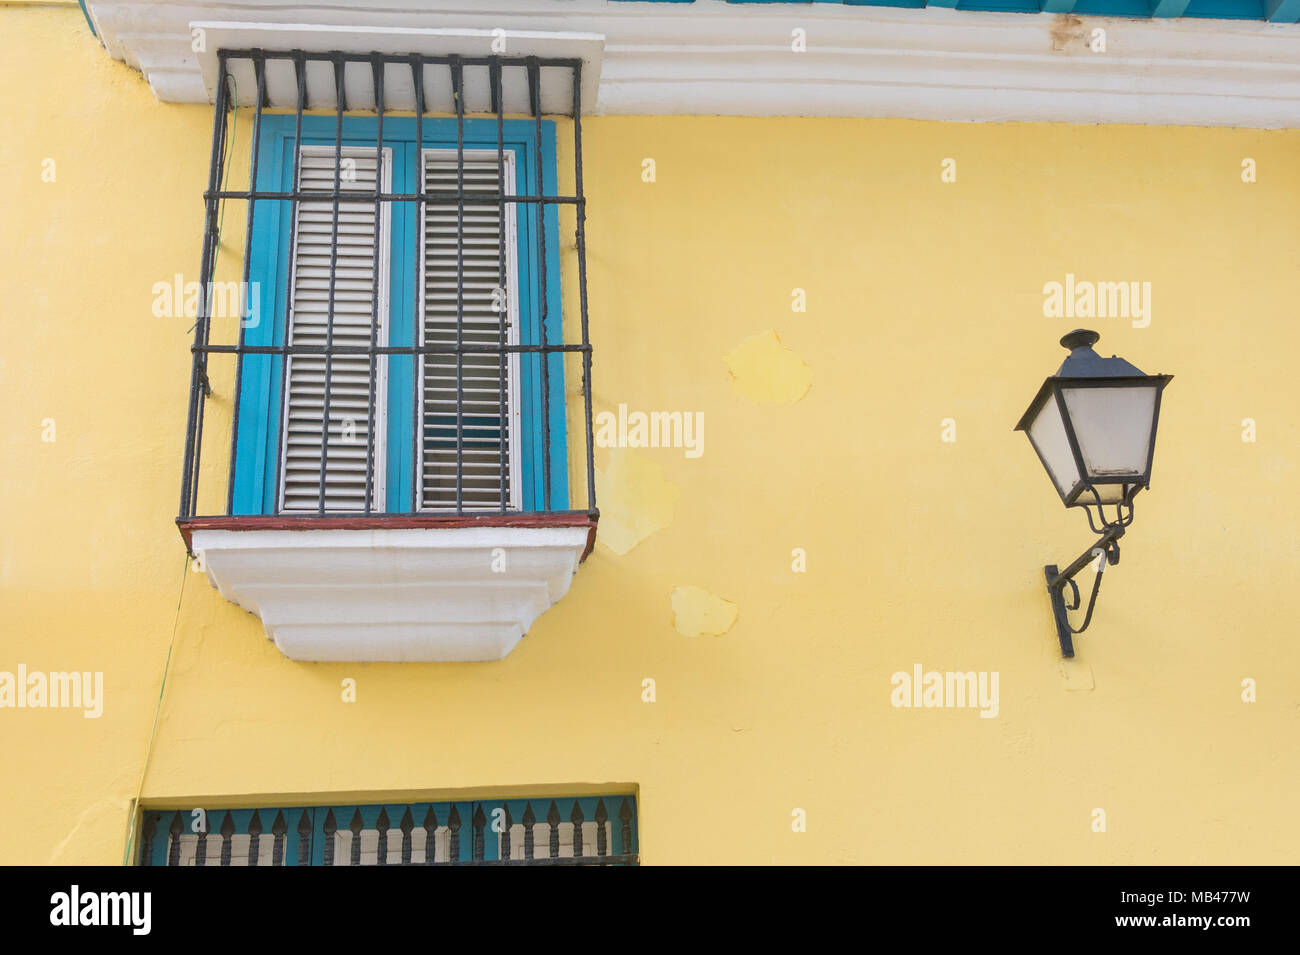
<point x="1080" y="338"/>
<point x="1081" y="367"/>
<point x="1083" y="362"/>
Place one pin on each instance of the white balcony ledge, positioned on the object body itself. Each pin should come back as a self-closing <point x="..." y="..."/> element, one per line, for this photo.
<point x="386" y="593"/>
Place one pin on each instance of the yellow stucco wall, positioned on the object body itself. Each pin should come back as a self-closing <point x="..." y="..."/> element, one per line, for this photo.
<point x="924" y="303"/>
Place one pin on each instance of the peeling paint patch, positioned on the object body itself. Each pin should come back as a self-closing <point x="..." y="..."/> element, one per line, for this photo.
<point x="696" y="612"/>
<point x="635" y="500"/>
<point x="764" y="370"/>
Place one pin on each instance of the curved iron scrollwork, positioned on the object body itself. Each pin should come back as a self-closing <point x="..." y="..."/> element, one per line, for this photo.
<point x="1105" y="550"/>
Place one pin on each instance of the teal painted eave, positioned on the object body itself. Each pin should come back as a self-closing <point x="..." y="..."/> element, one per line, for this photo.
<point x="1282" y="11"/>
<point x="1273" y="11"/>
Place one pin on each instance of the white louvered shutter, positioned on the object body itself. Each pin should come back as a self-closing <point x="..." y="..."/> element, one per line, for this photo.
<point x="355" y="308"/>
<point x="485" y="419"/>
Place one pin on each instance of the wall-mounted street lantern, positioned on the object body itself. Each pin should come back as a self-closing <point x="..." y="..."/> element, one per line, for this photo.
<point x="1093" y="425"/>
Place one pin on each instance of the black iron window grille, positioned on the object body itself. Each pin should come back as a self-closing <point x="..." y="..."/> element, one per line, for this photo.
<point x="586" y="830"/>
<point x="400" y="344"/>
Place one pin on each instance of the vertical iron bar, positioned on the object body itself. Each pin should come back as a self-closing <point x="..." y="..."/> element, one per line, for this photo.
<point x="334" y="255"/>
<point x="581" y="210"/>
<point x="417" y="359"/>
<point x="205" y="327"/>
<point x="148" y="830"/>
<point x="174" y="830"/>
<point x="306" y="830"/>
<point x="535" y="91"/>
<point x="278" y="830"/>
<point x="458" y="94"/>
<point x="529" y="820"/>
<point x="356" y="827"/>
<point x="255" y="838"/>
<point x="300" y="79"/>
<point x="227" y="835"/>
<point x="198" y="368"/>
<point x="453" y="827"/>
<point x="377" y="78"/>
<point x="602" y="837"/>
<point x="625" y="828"/>
<point x="406" y="826"/>
<point x="576" y="818"/>
<point x="382" y="825"/>
<point x="430" y="826"/>
<point x="328" y="830"/>
<point x="504" y="420"/>
<point x="259" y="64"/>
<point x="553" y="828"/>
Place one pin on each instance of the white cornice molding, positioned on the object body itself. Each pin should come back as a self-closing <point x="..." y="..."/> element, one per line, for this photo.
<point x="711" y="57"/>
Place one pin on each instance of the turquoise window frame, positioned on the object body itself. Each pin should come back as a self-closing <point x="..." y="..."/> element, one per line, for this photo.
<point x="157" y="852"/>
<point x="257" y="451"/>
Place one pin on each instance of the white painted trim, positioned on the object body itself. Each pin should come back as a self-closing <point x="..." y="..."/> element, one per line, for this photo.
<point x="390" y="595"/>
<point x="711" y="57"/>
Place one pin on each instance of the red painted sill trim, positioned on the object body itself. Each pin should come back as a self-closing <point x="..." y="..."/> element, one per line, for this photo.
<point x="281" y="522"/>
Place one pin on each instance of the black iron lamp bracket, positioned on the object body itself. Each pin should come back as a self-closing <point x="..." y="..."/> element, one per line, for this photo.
<point x="1107" y="551"/>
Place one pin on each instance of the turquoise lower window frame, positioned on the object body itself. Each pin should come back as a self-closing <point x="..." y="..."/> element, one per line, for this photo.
<point x="305" y="827"/>
<point x="257" y="453"/>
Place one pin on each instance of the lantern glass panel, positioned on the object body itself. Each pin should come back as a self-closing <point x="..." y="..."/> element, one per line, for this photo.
<point x="1047" y="432"/>
<point x="1113" y="426"/>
